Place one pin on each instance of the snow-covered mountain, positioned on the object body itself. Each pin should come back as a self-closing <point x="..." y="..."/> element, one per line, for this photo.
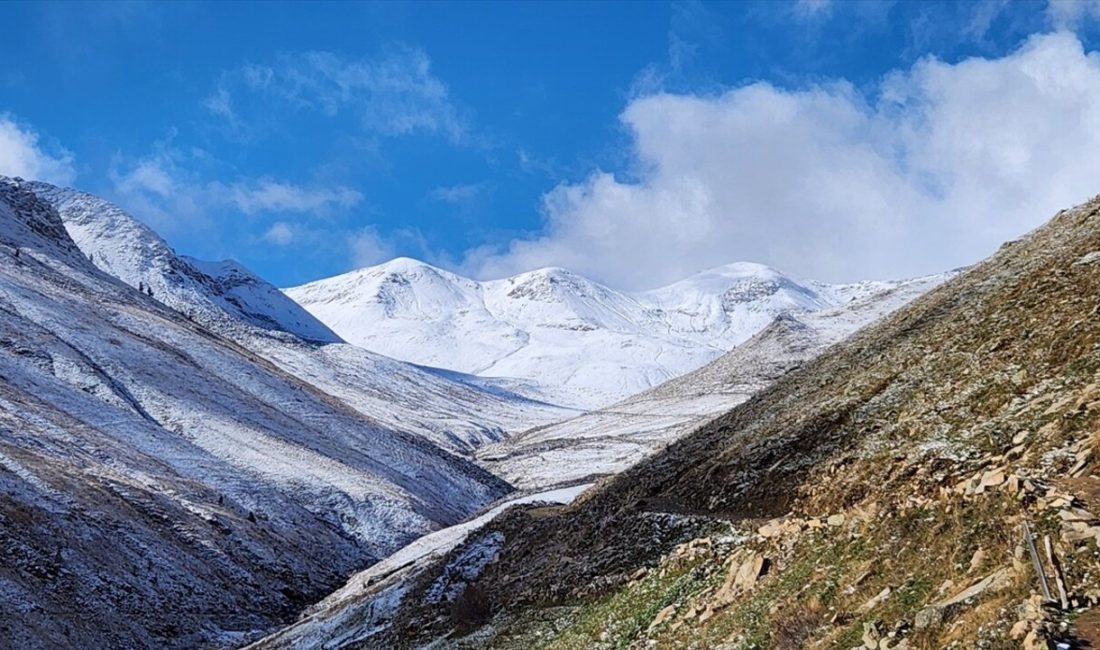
<point x="609" y="440"/>
<point x="130" y="251"/>
<point x="455" y="411"/>
<point x="570" y="340"/>
<point x="165" y="485"/>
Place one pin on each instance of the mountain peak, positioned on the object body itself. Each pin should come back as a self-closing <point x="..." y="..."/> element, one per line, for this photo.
<point x="220" y="294"/>
<point x="554" y="327"/>
<point x="402" y="265"/>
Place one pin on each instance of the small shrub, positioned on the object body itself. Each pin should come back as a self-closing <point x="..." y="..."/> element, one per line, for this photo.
<point x="794" y="629"/>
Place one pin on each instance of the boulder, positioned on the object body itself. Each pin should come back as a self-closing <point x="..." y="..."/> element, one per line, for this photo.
<point x="939" y="612"/>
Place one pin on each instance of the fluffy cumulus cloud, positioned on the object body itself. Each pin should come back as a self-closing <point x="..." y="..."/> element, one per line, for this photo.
<point x="392" y="94"/>
<point x="23" y="154"/>
<point x="934" y="169"/>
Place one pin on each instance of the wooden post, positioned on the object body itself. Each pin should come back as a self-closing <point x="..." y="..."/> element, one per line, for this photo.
<point x="1062" y="599"/>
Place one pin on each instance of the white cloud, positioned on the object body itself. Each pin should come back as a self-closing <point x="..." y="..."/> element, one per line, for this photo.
<point x="280" y="233"/>
<point x="266" y="195"/>
<point x="457" y="194"/>
<point x="935" y="170"/>
<point x="1071" y="14"/>
<point x="151" y="175"/>
<point x="163" y="190"/>
<point x="393" y="94"/>
<point x="23" y="155"/>
<point x="369" y="247"/>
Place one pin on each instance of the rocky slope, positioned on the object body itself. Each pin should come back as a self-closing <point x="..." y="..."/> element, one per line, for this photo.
<point x="561" y="337"/>
<point x="164" y="486"/>
<point x="611" y="439"/>
<point x="875" y="497"/>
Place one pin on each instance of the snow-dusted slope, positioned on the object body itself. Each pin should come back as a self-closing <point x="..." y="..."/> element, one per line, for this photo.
<point x="163" y="486"/>
<point x="365" y="606"/>
<point x="572" y="341"/>
<point x="133" y="253"/>
<point x="454" y="411"/>
<point x="611" y="439"/>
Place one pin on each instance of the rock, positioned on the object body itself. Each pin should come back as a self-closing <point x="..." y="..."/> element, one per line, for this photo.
<point x="1034" y="642"/>
<point x="741" y="577"/>
<point x="976" y="560"/>
<point x="1020" y="629"/>
<point x="1020" y="564"/>
<point x="937" y="613"/>
<point x="992" y="478"/>
<point x="835" y="520"/>
<point x="749" y="572"/>
<point x="1060" y="501"/>
<point x="1083" y="458"/>
<point x="1077" y="516"/>
<point x="773" y="528"/>
<point x="928" y="617"/>
<point x="1074" y="532"/>
<point x="875" y="601"/>
<point x="871" y="636"/>
<point x="662" y="616"/>
<point x="1087" y="258"/>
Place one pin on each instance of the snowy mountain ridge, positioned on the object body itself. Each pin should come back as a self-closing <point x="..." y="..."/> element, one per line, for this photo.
<point x="613" y="438"/>
<point x="456" y="412"/>
<point x="580" y="343"/>
<point x="130" y="251"/>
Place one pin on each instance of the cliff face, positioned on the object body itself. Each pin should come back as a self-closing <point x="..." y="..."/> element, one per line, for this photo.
<point x="877" y="494"/>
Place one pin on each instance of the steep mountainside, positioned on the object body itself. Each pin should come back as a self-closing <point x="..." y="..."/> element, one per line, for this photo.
<point x="454" y="411"/>
<point x="573" y="341"/>
<point x="877" y="496"/>
<point x="613" y="438"/>
<point x="130" y="251"/>
<point x="163" y="486"/>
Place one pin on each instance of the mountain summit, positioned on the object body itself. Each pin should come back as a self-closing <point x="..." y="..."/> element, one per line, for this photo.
<point x="571" y="340"/>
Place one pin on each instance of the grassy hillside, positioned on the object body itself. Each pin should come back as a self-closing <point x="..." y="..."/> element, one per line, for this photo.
<point x="873" y="498"/>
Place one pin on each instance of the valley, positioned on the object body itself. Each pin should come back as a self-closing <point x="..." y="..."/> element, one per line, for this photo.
<point x="240" y="451"/>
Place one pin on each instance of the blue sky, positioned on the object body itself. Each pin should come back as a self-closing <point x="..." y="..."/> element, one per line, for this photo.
<point x="635" y="143"/>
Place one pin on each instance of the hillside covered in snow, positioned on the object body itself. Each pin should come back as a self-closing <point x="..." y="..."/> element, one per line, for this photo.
<point x="566" y="339"/>
<point x="168" y="482"/>
<point x="455" y="411"/>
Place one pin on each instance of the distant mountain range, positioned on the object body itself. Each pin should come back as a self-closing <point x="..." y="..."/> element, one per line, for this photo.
<point x="569" y="340"/>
